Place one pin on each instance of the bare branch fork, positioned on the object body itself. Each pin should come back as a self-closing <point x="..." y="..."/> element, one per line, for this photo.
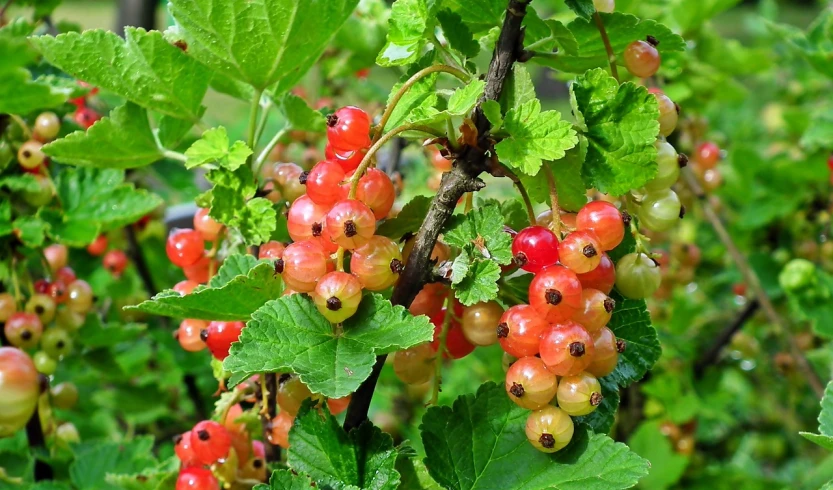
<point x="462" y="178"/>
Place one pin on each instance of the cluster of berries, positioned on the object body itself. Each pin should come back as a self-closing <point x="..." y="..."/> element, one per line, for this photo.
<point x="84" y="115"/>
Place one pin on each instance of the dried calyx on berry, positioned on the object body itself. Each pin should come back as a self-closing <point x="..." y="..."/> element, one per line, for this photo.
<point x="553" y="296"/>
<point x="577" y="349"/>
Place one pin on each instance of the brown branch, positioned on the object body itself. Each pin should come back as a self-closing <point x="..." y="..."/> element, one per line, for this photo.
<point x="710" y="355"/>
<point x="462" y="178"/>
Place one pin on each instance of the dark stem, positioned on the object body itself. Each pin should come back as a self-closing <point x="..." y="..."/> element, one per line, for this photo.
<point x="34" y="432"/>
<point x="462" y="178"/>
<point x="138" y="258"/>
<point x="194" y="395"/>
<point x="611" y="56"/>
<point x="273" y="452"/>
<point x="390" y="161"/>
<point x="710" y="355"/>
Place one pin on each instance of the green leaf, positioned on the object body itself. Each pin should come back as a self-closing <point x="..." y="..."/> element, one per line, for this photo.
<point x="622" y="29"/>
<point x="458" y="34"/>
<point x="289" y="334"/>
<point x="480" y="233"/>
<point x="233" y="266"/>
<point x="479" y="15"/>
<point x="123" y="139"/>
<point x="413" y="473"/>
<point x="534" y="136"/>
<point x="364" y="458"/>
<point x="460" y="104"/>
<point x="93" y="462"/>
<point x="813" y="46"/>
<point x="19" y="94"/>
<point x="408" y="220"/>
<point x="825" y="436"/>
<point x="519" y="89"/>
<point x="20" y="183"/>
<point x="568" y="181"/>
<point x="231" y="191"/>
<point x="667" y="466"/>
<point x="819" y="133"/>
<point x="300" y="116"/>
<point x="479" y="284"/>
<point x="419" y="98"/>
<point x="583" y="8"/>
<point x="621" y="129"/>
<point x="410" y="26"/>
<point x="213" y="147"/>
<point x="631" y="322"/>
<point x="479" y="443"/>
<point x="94" y="333"/>
<point x="161" y="476"/>
<point x="286" y="480"/>
<point x="491" y="108"/>
<point x="30" y="230"/>
<point x="260" y="42"/>
<point x="143" y="68"/>
<point x="558" y="35"/>
<point x="257" y="221"/>
<point x="235" y="300"/>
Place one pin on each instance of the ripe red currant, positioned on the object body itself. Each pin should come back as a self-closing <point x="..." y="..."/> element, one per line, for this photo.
<point x="337" y="296"/>
<point x="184" y="246"/>
<point x="668" y="113"/>
<point x="43" y="306"/>
<point x="20" y="388"/>
<point x="98" y="247"/>
<point x="456" y="345"/>
<point x="303" y="264"/>
<point x="375" y="189"/>
<point x="534" y="248"/>
<point x="85" y="117"/>
<point x="555" y="293"/>
<point x="440" y="162"/>
<point x="200" y="272"/>
<point x="566" y="348"/>
<point x="520" y="329"/>
<point x="642" y="58"/>
<point x="668" y="167"/>
<point x="210" y="442"/>
<point x="58" y="290"/>
<point x="660" y="210"/>
<point x="184" y="451"/>
<point x="580" y="394"/>
<point x="549" y="429"/>
<point x="219" y="336"/>
<point x="580" y="251"/>
<point x="429" y="300"/>
<point x="194" y="478"/>
<point x="23" y="330"/>
<point x="602" y="277"/>
<point x="415" y="365"/>
<point x="349" y="160"/>
<point x="291" y="395"/>
<point x="351" y="223"/>
<point x="47" y="126"/>
<point x="607" y="353"/>
<point x="271" y="250"/>
<point x="377" y="263"/>
<point x="338" y="405"/>
<point x="279" y="429"/>
<point x="206" y="225"/>
<point x="596" y="310"/>
<point x="323" y="183"/>
<point x="185" y="287"/>
<point x="348" y="129"/>
<point x="56" y="256"/>
<point x="115" y="261"/>
<point x="8" y="306"/>
<point x="480" y="321"/>
<point x="603" y="219"/>
<point x="529" y="384"/>
<point x="189" y="334"/>
<point x="637" y="276"/>
<point x="30" y="155"/>
<point x="306" y="220"/>
<point x="707" y="155"/>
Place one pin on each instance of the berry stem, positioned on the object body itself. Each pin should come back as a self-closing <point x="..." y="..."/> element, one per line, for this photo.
<point x="449" y="57"/>
<point x="18" y="298"/>
<point x="20" y="122"/>
<point x="368" y="157"/>
<point x="264" y="154"/>
<point x="555" y="224"/>
<point x="451" y="133"/>
<point x="611" y="56"/>
<point x="750" y="277"/>
<point x="438" y="362"/>
<point x="174" y="155"/>
<point x="340" y="259"/>
<point x="469" y="201"/>
<point x="710" y="356"/>
<point x="253" y="111"/>
<point x="462" y="75"/>
<point x="530" y="209"/>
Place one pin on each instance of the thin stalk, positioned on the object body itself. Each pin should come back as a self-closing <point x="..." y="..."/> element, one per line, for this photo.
<point x="368" y="157"/>
<point x="469" y="201"/>
<point x="546" y="55"/>
<point x="20" y="122"/>
<point x="451" y="133"/>
<point x="174" y="155"/>
<point x="556" y="210"/>
<point x="340" y="259"/>
<point x="449" y="58"/>
<point x="253" y="119"/>
<point x="264" y="154"/>
<point x="264" y="118"/>
<point x="530" y="209"/>
<point x="611" y="56"/>
<point x="438" y="366"/>
<point x="463" y="76"/>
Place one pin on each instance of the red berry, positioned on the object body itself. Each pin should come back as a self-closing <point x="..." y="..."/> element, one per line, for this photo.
<point x="185" y="287"/>
<point x="189" y="334"/>
<point x="337" y="296"/>
<point x="279" y="429"/>
<point x="115" y="261"/>
<point x="307" y="220"/>
<point x="456" y="345"/>
<point x="338" y="405"/>
<point x="85" y="117"/>
<point x="58" y="290"/>
<point x="529" y="384"/>
<point x="349" y="160"/>
<point x="291" y="395"/>
<point x="534" y="248"/>
<point x="210" y="442"/>
<point x="219" y="336"/>
<point x="98" y="247"/>
<point x="206" y="225"/>
<point x="596" y="310"/>
<point x="580" y="251"/>
<point x="56" y="256"/>
<point x="707" y="155"/>
<point x="303" y="264"/>
<point x="555" y="293"/>
<point x="567" y="349"/>
<point x="414" y="366"/>
<point x="200" y="272"/>
<point x="520" y="329"/>
<point x="603" y="219"/>
<point x="642" y="59"/>
<point x="376" y="190"/>
<point x="323" y="183"/>
<point x="606" y="353"/>
<point x="377" y="263"/>
<point x="19" y="389"/>
<point x="602" y="277"/>
<point x="440" y="162"/>
<point x="480" y="321"/>
<point x="41" y="286"/>
<point x="66" y="274"/>
<point x="184" y="451"/>
<point x="348" y="129"/>
<point x="184" y="247"/>
<point x="429" y="300"/>
<point x="271" y="250"/>
<point x="23" y="330"/>
<point x="196" y="479"/>
<point x="351" y="223"/>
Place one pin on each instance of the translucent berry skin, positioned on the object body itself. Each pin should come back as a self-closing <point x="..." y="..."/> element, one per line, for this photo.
<point x="20" y="388"/>
<point x="440" y="162"/>
<point x="534" y="248"/>
<point x="210" y="442"/>
<point x="323" y="182"/>
<point x="306" y="221"/>
<point x="291" y="395"/>
<point x="64" y="395"/>
<point x="184" y="247"/>
<point x="348" y="129"/>
<point x="375" y="189"/>
<point x="200" y="271"/>
<point x="279" y="431"/>
<point x="189" y="333"/>
<point x="529" y="384"/>
<point x="520" y="329"/>
<point x="44" y="363"/>
<point x="602" y="277"/>
<point x="480" y="321"/>
<point x="303" y="264"/>
<point x="637" y="276"/>
<point x="98" y="247"/>
<point x="23" y="330"/>
<point x="219" y="336"/>
<point x="42" y="195"/>
<point x="43" y="306"/>
<point x="115" y="261"/>
<point x="596" y="310"/>
<point x="377" y="263"/>
<point x="603" y="219"/>
<point x="549" y="429"/>
<point x="337" y="296"/>
<point x="338" y="405"/>
<point x="580" y="251"/>
<point x="606" y="354"/>
<point x="668" y="115"/>
<point x="85" y="117"/>
<point x="184" y="451"/>
<point x="196" y="479"/>
<point x="58" y="290"/>
<point x="668" y="167"/>
<point x="349" y="160"/>
<point x="271" y="250"/>
<point x="47" y="126"/>
<point x="206" y="225"/>
<point x="660" y="210"/>
<point x="56" y="342"/>
<point x="69" y="320"/>
<point x="415" y="365"/>
<point x="30" y="155"/>
<point x="580" y="394"/>
<point x="456" y="345"/>
<point x="429" y="300"/>
<point x="80" y="298"/>
<point x="286" y="175"/>
<point x="555" y="293"/>
<point x="642" y="59"/>
<point x="707" y="155"/>
<point x="351" y="223"/>
<point x="566" y="348"/>
<point x="185" y="287"/>
<point x="7" y="306"/>
<point x="56" y="256"/>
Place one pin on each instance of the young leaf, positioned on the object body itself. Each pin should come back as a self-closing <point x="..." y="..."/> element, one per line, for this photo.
<point x="256" y="221"/>
<point x="519" y="89"/>
<point x="479" y="283"/>
<point x="260" y="42"/>
<point x="319" y="447"/>
<point x="289" y="334"/>
<point x="419" y="98"/>
<point x="825" y="436"/>
<point x="286" y="480"/>
<point x="621" y="129"/>
<point x="479" y="15"/>
<point x="534" y="136"/>
<point x="491" y="108"/>
<point x="583" y="8"/>
<point x="479" y="443"/>
<point x="480" y="234"/>
<point x="31" y="230"/>
<point x="123" y="139"/>
<point x="408" y="220"/>
<point x="300" y="116"/>
<point x="93" y="462"/>
<point x="568" y="181"/>
<point x="20" y="183"/>
<point x="213" y="148"/>
<point x="143" y="68"/>
<point x="410" y="26"/>
<point x="236" y="299"/>
<point x="460" y="104"/>
<point x="458" y="34"/>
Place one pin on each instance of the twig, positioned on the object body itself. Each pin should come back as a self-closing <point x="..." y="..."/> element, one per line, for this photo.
<point x="710" y="355"/>
<point x="555" y="223"/>
<point x="751" y="279"/>
<point x="611" y="56"/>
<point x="139" y="261"/>
<point x="530" y="209"/>
<point x="264" y="154"/>
<point x="460" y="179"/>
<point x="34" y="433"/>
<point x="438" y="362"/>
<point x="271" y="405"/>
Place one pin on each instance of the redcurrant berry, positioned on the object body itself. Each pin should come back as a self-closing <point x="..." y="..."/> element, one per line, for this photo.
<point x="660" y="210"/>
<point x="349" y="160"/>
<point x="58" y="290"/>
<point x="271" y="250"/>
<point x="337" y="296"/>
<point x="47" y="126"/>
<point x="351" y="223"/>
<point x="291" y="395"/>
<point x="184" y="247"/>
<point x="338" y="405"/>
<point x="56" y="342"/>
<point x="549" y="429"/>
<point x="64" y="395"/>
<point x="377" y="263"/>
<point x="642" y="58"/>
<point x="534" y="248"/>
<point x="23" y="330"/>
<point x="69" y="320"/>
<point x="219" y="336"/>
<point x="520" y="329"/>
<point x="668" y="167"/>
<point x="429" y="300"/>
<point x="529" y="384"/>
<point x="8" y="306"/>
<point x="480" y="321"/>
<point x="85" y="117"/>
<point x="580" y="394"/>
<point x="20" y="388"/>
<point x="43" y="306"/>
<point x="206" y="225"/>
<point x="80" y="298"/>
<point x="279" y="429"/>
<point x="115" y="261"/>
<point x="596" y="310"/>
<point x="66" y="274"/>
<point x="375" y="189"/>
<point x="566" y="348"/>
<point x="669" y="113"/>
<point x="348" y="129"/>
<point x="185" y="287"/>
<point x="194" y="478"/>
<point x="602" y="277"/>
<point x="607" y="353"/>
<point x="707" y="155"/>
<point x="637" y="276"/>
<point x="30" y="155"/>
<point x="456" y="345"/>
<point x="306" y="220"/>
<point x="189" y="334"/>
<point x="184" y="451"/>
<point x="56" y="256"/>
<point x="303" y="264"/>
<point x="440" y="162"/>
<point x="580" y="251"/>
<point x="200" y="272"/>
<point x="323" y="183"/>
<point x="415" y="365"/>
<point x="288" y="177"/>
<point x="603" y="219"/>
<point x="210" y="442"/>
<point x="555" y="293"/>
<point x="44" y="363"/>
